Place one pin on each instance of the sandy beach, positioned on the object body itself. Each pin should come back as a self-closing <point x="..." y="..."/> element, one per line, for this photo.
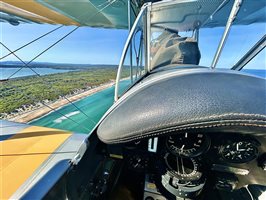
<point x="38" y="112"/>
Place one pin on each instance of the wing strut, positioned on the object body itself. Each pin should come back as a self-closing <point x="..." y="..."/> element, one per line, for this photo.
<point x="258" y="47"/>
<point x="230" y="20"/>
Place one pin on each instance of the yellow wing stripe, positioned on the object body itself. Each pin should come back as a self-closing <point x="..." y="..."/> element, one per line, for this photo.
<point x="34" y="11"/>
<point x="25" y="152"/>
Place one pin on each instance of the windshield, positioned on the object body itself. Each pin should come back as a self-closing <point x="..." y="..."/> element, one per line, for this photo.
<point x="188" y="34"/>
<point x="170" y="47"/>
<point x="180" y="33"/>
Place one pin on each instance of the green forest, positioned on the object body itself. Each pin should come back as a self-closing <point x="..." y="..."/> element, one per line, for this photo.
<point x="29" y="90"/>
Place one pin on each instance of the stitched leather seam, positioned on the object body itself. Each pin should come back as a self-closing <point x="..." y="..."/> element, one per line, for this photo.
<point x="193" y="124"/>
<point x="152" y="134"/>
<point x="205" y="118"/>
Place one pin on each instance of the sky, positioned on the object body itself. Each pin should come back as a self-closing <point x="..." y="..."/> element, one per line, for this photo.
<point x="241" y="38"/>
<point x="84" y="46"/>
<point x="104" y="46"/>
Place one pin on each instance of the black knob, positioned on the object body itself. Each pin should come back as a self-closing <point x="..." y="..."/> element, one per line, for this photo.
<point x="263" y="166"/>
<point x="262" y="161"/>
<point x="149" y="198"/>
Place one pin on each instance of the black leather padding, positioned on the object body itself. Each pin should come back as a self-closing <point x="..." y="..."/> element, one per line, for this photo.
<point x="192" y="100"/>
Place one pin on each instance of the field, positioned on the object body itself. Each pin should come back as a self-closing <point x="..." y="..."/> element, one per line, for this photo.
<point x="19" y="93"/>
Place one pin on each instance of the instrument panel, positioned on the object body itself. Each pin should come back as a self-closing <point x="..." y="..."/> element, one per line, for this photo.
<point x="234" y="149"/>
<point x="186" y="161"/>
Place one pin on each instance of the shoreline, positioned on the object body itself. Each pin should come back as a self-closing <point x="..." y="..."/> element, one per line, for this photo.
<point x="44" y="110"/>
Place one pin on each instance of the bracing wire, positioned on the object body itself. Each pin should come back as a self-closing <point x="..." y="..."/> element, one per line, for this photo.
<point x="56" y="41"/>
<point x="57" y="111"/>
<point x="38" y="38"/>
<point x="27" y="65"/>
<point x="134" y="12"/>
<point x="111" y="2"/>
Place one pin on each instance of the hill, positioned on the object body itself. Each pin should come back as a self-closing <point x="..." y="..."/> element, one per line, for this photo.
<point x="18" y="64"/>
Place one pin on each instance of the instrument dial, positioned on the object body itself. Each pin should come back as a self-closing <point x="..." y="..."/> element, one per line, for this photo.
<point x="188" y="144"/>
<point x="137" y="163"/>
<point x="239" y="152"/>
<point x="184" y="169"/>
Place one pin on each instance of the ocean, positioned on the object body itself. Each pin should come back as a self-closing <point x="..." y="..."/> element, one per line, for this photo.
<point x="7" y="72"/>
<point x="94" y="106"/>
<point x="256" y="72"/>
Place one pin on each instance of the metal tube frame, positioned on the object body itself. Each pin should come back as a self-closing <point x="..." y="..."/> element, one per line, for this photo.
<point x="118" y="77"/>
<point x="231" y="18"/>
<point x="148" y="36"/>
<point x="130" y="47"/>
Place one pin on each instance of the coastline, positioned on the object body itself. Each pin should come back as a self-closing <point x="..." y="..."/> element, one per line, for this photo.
<point x="43" y="110"/>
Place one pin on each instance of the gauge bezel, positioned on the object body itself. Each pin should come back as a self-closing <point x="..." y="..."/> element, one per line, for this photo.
<point x="251" y="158"/>
<point x="199" y="151"/>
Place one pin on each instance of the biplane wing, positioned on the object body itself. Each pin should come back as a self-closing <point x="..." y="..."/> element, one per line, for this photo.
<point x="190" y="14"/>
<point x="93" y="13"/>
<point x="195" y="14"/>
<point x="30" y="156"/>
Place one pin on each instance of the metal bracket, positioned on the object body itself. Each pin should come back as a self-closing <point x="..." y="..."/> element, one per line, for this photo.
<point x="152" y="144"/>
